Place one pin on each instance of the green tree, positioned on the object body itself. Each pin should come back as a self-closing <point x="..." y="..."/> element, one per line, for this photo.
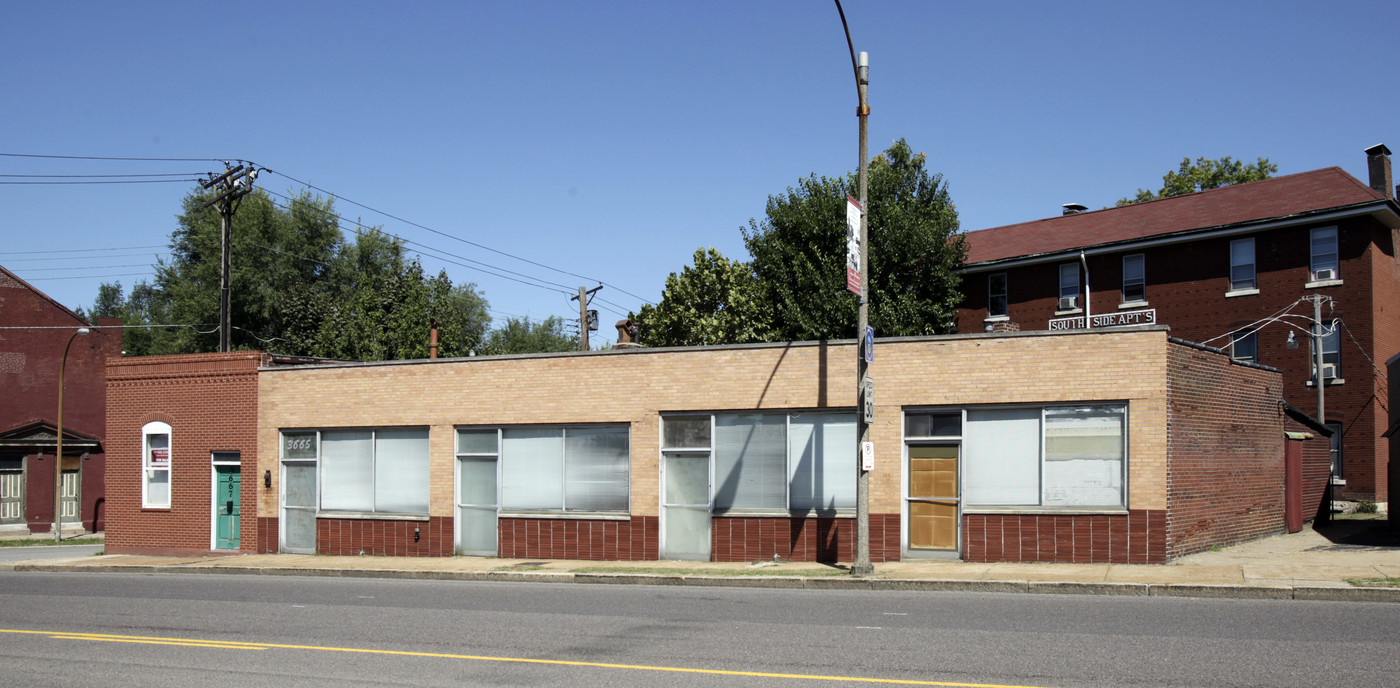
<point x="799" y="253"/>
<point x="716" y="300"/>
<point x="297" y="288"/>
<point x="1205" y="174"/>
<point x="520" y="336"/>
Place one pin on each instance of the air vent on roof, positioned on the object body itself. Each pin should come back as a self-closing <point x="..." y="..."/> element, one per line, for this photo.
<point x="1073" y="208"/>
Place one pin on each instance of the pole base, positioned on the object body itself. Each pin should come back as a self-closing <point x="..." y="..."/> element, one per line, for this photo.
<point x="862" y="569"/>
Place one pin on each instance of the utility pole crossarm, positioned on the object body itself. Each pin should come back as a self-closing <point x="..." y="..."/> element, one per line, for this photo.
<point x="233" y="184"/>
<point x="585" y="295"/>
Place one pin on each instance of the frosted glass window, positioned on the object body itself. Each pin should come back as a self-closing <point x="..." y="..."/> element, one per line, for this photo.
<point x="1001" y="457"/>
<point x="751" y="461"/>
<point x="1084" y="452"/>
<point x="299" y="484"/>
<point x="596" y="469"/>
<point x="156" y="460"/>
<point x="686" y="432"/>
<point x="401" y="471"/>
<point x="476" y="442"/>
<point x="822" y="461"/>
<point x="347" y="470"/>
<point x="532" y="468"/>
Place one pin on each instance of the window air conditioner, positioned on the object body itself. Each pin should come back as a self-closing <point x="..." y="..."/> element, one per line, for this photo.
<point x="1069" y="302"/>
<point x="1324" y="275"/>
<point x="1329" y="371"/>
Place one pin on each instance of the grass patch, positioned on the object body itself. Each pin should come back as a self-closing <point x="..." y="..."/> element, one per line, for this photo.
<point x="727" y="573"/>
<point x="36" y="542"/>
<point x="1390" y="582"/>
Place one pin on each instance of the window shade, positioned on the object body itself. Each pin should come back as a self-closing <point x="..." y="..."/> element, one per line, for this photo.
<point x="822" y="461"/>
<point x="596" y="469"/>
<point x="347" y="473"/>
<point x="532" y="467"/>
<point x="750" y="462"/>
<point x="1001" y="457"/>
<point x="401" y="470"/>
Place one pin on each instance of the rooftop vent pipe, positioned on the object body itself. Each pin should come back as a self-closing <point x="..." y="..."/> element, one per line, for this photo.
<point x="1073" y="208"/>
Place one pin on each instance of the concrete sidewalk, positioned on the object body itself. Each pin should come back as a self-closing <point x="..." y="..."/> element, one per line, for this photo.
<point x="1310" y="565"/>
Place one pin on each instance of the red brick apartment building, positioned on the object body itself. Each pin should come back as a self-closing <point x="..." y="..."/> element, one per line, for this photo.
<point x="35" y="331"/>
<point x="726" y="453"/>
<point x="1229" y="268"/>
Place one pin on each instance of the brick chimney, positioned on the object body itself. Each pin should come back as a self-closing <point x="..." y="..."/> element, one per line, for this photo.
<point x="1378" y="163"/>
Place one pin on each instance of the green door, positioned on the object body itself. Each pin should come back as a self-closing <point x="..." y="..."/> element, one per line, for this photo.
<point x="226" y="503"/>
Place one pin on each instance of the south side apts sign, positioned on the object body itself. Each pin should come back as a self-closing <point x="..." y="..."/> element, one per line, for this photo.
<point x="1147" y="316"/>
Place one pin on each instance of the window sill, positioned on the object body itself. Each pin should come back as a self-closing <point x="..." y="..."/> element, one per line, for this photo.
<point x="1241" y="292"/>
<point x="1072" y="311"/>
<point x="1049" y="510"/>
<point x="996" y="318"/>
<point x="369" y="516"/>
<point x="1323" y="283"/>
<point x="1331" y="382"/>
<point x="785" y="513"/>
<point x="568" y="515"/>
<point x="150" y="508"/>
<point x="1132" y="304"/>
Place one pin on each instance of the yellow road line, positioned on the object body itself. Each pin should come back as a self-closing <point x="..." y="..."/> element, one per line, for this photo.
<point x="517" y="660"/>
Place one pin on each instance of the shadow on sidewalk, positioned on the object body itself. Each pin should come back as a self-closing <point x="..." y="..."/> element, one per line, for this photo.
<point x="1351" y="534"/>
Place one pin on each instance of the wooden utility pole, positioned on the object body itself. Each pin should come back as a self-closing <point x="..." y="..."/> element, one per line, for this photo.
<point x="233" y="184"/>
<point x="584" y="296"/>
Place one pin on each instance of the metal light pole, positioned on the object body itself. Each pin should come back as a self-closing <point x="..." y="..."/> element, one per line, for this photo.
<point x="862" y="566"/>
<point x="58" y="454"/>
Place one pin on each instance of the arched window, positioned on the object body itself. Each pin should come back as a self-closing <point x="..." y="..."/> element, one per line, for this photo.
<point x="155" y="465"/>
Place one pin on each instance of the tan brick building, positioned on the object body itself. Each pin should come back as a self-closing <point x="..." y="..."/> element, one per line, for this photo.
<point x="1119" y="444"/>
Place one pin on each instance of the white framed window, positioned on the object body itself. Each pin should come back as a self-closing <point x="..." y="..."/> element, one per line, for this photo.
<point x="1134" y="278"/>
<point x="563" y="469"/>
<point x="1244" y="346"/>
<point x="155" y="465"/>
<point x="1052" y="456"/>
<point x="1324" y="264"/>
<point x="772" y="462"/>
<point x="360" y="470"/>
<point x="1069" y="286"/>
<point x="996" y="295"/>
<point x="1331" y="352"/>
<point x="1242" y="275"/>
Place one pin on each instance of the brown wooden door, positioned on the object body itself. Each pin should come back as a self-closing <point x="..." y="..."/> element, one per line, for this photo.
<point x="933" y="497"/>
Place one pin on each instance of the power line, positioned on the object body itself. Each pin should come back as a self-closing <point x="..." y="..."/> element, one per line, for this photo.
<point x="97" y="176"/>
<point x="449" y="236"/>
<point x="79" y="250"/>
<point x="99" y="157"/>
<point x="126" y="181"/>
<point x="124" y="274"/>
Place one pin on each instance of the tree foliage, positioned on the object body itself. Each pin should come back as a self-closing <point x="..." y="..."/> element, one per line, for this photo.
<point x="520" y="336"/>
<point x="799" y="253"/>
<point x="1205" y="174"/>
<point x="716" y="300"/>
<point x="298" y="287"/>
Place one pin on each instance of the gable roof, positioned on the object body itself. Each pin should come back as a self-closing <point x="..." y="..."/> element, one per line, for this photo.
<point x="10" y="279"/>
<point x="1279" y="197"/>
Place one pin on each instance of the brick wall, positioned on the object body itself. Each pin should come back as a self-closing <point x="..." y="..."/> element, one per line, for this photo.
<point x="754" y="538"/>
<point x="210" y="402"/>
<point x="1136" y="537"/>
<point x="1187" y="283"/>
<point x="1225" y="469"/>
<point x="635" y="386"/>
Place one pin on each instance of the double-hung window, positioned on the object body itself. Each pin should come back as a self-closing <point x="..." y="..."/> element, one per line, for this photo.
<point x="1324" y="265"/>
<point x="1134" y="279"/>
<point x="1244" y="346"/>
<point x="996" y="295"/>
<point x="1242" y="264"/>
<point x="1055" y="456"/>
<point x="1331" y="351"/>
<point x="1069" y="286"/>
<point x="155" y="465"/>
<point x="773" y="462"/>
<point x="565" y="469"/>
<point x="374" y="471"/>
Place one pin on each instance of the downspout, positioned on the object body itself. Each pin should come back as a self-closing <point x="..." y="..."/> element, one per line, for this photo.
<point x="1088" y="314"/>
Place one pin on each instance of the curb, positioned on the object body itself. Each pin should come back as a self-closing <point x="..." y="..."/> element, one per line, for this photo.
<point x="1197" y="591"/>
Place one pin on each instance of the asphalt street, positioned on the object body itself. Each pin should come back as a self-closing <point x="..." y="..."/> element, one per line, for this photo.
<point x="217" y="630"/>
<point x="13" y="554"/>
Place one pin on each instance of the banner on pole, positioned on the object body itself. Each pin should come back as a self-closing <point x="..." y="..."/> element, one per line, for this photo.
<point x="853" y="245"/>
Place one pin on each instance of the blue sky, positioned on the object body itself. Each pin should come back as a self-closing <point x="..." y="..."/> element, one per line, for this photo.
<point x="610" y="140"/>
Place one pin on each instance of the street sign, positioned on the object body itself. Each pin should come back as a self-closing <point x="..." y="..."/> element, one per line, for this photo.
<point x="853" y="245"/>
<point x="867" y="456"/>
<point x="869" y="344"/>
<point x="867" y="400"/>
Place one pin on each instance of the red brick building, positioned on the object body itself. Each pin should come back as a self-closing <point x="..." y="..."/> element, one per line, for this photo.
<point x="726" y="453"/>
<point x="34" y="332"/>
<point x="1232" y="268"/>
